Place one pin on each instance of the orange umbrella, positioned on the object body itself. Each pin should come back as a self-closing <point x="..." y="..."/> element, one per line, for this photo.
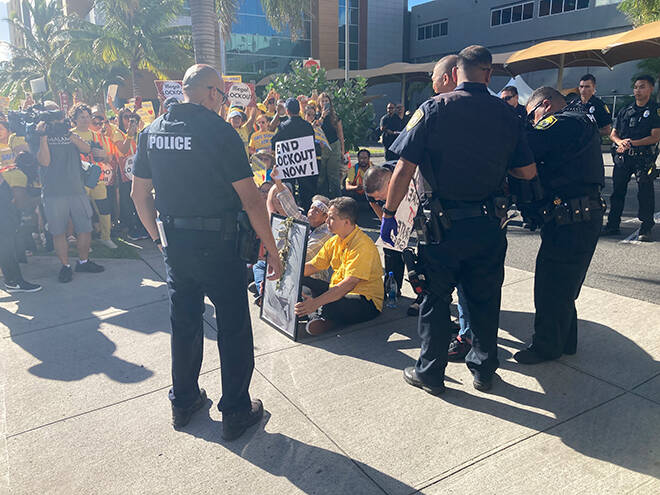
<point x="639" y="43"/>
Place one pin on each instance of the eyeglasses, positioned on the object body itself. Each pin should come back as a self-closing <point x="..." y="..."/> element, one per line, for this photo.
<point x="220" y="92"/>
<point x="530" y="115"/>
<point x="507" y="98"/>
<point x="379" y="202"/>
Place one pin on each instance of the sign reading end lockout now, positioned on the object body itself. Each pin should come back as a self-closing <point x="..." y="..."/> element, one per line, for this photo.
<point x="296" y="157"/>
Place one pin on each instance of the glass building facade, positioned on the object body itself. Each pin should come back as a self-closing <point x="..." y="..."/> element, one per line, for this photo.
<point x="353" y="33"/>
<point x="256" y="50"/>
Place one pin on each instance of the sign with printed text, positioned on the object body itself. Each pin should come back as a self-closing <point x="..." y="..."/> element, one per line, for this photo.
<point x="128" y="167"/>
<point x="146" y="112"/>
<point x="296" y="157"/>
<point x="240" y="94"/>
<point x="167" y="89"/>
<point x="236" y="78"/>
<point x="405" y="217"/>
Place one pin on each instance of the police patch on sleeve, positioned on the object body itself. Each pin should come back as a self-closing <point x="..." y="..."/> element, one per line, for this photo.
<point x="607" y="109"/>
<point x="546" y="123"/>
<point x="415" y="119"/>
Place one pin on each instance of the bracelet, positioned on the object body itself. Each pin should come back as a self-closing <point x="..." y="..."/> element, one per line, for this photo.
<point x="389" y="212"/>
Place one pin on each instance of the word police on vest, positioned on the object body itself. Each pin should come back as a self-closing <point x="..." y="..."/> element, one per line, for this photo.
<point x="296" y="157"/>
<point x="169" y="142"/>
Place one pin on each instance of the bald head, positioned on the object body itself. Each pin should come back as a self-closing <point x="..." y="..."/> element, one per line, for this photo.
<point x="203" y="85"/>
<point x="443" y="74"/>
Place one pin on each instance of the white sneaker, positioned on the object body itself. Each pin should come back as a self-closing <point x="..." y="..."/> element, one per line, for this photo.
<point x="108" y="243"/>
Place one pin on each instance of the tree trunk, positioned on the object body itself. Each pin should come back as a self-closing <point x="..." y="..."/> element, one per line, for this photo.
<point x="204" y="28"/>
<point x="134" y="81"/>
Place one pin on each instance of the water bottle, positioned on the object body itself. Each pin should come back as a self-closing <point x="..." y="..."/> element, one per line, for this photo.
<point x="391" y="291"/>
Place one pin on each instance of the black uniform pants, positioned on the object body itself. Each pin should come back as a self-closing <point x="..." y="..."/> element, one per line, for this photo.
<point x="349" y="310"/>
<point x="394" y="263"/>
<point x="645" y="196"/>
<point x="198" y="264"/>
<point x="561" y="266"/>
<point x="8" y="262"/>
<point x="472" y="254"/>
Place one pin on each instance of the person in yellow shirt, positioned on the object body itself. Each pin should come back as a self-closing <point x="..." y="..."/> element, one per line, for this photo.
<point x="355" y="293"/>
<point x="242" y="124"/>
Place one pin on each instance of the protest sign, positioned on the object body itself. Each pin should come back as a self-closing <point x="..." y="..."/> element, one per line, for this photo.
<point x="296" y="157"/>
<point x="240" y="94"/>
<point x="237" y="78"/>
<point x="167" y="89"/>
<point x="405" y="216"/>
<point x="146" y="112"/>
<point x="128" y="167"/>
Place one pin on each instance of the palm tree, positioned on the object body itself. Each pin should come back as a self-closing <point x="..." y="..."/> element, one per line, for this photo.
<point x="141" y="35"/>
<point x="281" y="14"/>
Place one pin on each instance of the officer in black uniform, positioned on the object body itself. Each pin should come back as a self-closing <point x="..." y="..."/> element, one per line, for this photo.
<point x="464" y="142"/>
<point x="566" y="147"/>
<point x="295" y="127"/>
<point x="634" y="149"/>
<point x="196" y="164"/>
<point x="587" y="102"/>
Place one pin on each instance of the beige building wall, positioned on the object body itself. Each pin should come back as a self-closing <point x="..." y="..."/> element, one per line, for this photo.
<point x="325" y="29"/>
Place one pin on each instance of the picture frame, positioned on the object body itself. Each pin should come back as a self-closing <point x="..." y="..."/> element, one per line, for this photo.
<point x="280" y="297"/>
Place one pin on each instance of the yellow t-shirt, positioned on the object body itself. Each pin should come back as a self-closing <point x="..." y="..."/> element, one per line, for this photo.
<point x="13" y="176"/>
<point x="6" y="155"/>
<point x="260" y="140"/>
<point x="355" y="256"/>
<point x="18" y="143"/>
<point x="244" y="132"/>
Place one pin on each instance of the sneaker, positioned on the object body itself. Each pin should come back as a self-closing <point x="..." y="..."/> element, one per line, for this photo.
<point x="318" y="325"/>
<point x="181" y="416"/>
<point x="252" y="287"/>
<point x="22" y="286"/>
<point x="89" y="267"/>
<point x="458" y="348"/>
<point x="235" y="424"/>
<point x="610" y="231"/>
<point x="108" y="243"/>
<point x="66" y="274"/>
<point x="138" y="235"/>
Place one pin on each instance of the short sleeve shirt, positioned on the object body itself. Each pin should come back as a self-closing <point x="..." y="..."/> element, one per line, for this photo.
<point x="636" y="122"/>
<point x="355" y="256"/>
<point x="596" y="107"/>
<point x="260" y="140"/>
<point x="63" y="176"/>
<point x="192" y="156"/>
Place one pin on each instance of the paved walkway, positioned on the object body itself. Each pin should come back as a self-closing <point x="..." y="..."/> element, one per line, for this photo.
<point x="84" y="373"/>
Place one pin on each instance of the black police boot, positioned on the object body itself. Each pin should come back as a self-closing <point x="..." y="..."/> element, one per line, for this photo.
<point x="645" y="234"/>
<point x="235" y="424"/>
<point x="483" y="384"/>
<point x="609" y="230"/>
<point x="410" y="376"/>
<point x="529" y="356"/>
<point x="181" y="415"/>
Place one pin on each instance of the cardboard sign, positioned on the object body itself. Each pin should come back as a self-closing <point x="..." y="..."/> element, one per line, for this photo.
<point x="405" y="216"/>
<point x="146" y="112"/>
<point x="237" y="78"/>
<point x="296" y="157"/>
<point x="240" y="94"/>
<point x="166" y="89"/>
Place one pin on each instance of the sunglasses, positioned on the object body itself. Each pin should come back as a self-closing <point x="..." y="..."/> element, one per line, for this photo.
<point x="507" y="98"/>
<point x="530" y="114"/>
<point x="379" y="202"/>
<point x="220" y="92"/>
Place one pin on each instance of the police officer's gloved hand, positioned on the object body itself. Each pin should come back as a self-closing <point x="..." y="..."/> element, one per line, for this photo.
<point x="388" y="226"/>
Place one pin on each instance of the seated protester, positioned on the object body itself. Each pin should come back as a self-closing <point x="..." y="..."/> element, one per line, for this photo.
<point x="355" y="180"/>
<point x="242" y="124"/>
<point x="355" y="293"/>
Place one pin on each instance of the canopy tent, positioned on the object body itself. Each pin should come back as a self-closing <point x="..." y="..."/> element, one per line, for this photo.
<point x="559" y="54"/>
<point x="524" y="91"/>
<point x="639" y="43"/>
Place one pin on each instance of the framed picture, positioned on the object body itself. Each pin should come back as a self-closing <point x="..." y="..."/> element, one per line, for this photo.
<point x="280" y="296"/>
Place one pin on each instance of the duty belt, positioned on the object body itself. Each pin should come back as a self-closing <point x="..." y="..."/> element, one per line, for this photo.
<point x="571" y="210"/>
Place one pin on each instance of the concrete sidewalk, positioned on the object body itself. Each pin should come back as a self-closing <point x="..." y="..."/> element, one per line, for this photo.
<point x="85" y="369"/>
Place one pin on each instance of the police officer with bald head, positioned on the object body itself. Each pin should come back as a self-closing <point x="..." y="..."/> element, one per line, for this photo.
<point x="465" y="142"/>
<point x="197" y="166"/>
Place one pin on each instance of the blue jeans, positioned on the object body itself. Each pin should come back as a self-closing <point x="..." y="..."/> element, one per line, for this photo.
<point x="259" y="272"/>
<point x="463" y="315"/>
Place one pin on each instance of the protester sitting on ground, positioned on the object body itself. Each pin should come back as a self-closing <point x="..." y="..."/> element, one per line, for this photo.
<point x="355" y="292"/>
<point x="64" y="196"/>
<point x="355" y="178"/>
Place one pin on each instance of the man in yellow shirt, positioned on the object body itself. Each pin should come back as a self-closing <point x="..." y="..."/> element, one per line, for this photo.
<point x="355" y="293"/>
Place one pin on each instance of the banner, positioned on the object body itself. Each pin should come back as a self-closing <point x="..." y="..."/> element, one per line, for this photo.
<point x="167" y="89"/>
<point x="240" y="94"/>
<point x="405" y="217"/>
<point x="296" y="157"/>
<point x="237" y="78"/>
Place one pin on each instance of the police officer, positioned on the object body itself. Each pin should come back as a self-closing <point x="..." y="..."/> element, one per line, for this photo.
<point x="589" y="103"/>
<point x="295" y="127"/>
<point x="464" y="142"/>
<point x="634" y="149"/>
<point x="196" y="164"/>
<point x="566" y="146"/>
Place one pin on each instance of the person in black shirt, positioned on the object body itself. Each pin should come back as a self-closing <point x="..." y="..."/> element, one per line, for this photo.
<point x="391" y="125"/>
<point x="332" y="170"/>
<point x="510" y="95"/>
<point x="635" y="139"/>
<point x="591" y="104"/>
<point x="197" y="165"/>
<point x="295" y="127"/>
<point x="465" y="243"/>
<point x="566" y="147"/>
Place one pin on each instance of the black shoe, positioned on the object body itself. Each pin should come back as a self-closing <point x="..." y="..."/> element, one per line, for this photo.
<point x="482" y="384"/>
<point x="410" y="376"/>
<point x="252" y="287"/>
<point x="529" y="356"/>
<point x="89" y="267"/>
<point x="458" y="349"/>
<point x="610" y="231"/>
<point x="318" y="325"/>
<point x="413" y="309"/>
<point x="235" y="424"/>
<point x="645" y="236"/>
<point x="66" y="274"/>
<point x="455" y="327"/>
<point x="181" y="416"/>
<point x="22" y="286"/>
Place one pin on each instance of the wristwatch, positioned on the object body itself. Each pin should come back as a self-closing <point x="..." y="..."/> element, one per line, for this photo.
<point x="389" y="213"/>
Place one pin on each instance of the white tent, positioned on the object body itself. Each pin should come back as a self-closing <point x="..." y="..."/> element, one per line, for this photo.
<point x="524" y="91"/>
